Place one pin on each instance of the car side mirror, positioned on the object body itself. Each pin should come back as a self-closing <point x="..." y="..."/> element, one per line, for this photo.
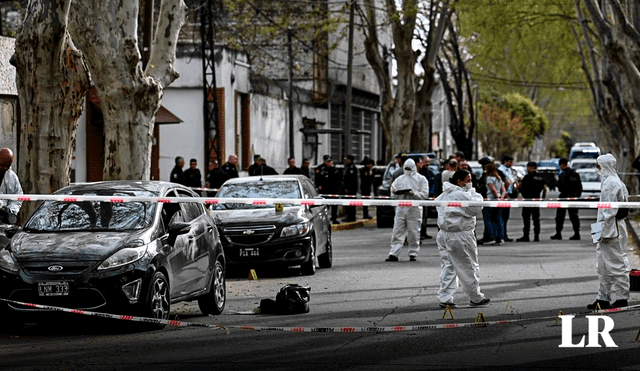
<point x="11" y="231"/>
<point x="178" y="228"/>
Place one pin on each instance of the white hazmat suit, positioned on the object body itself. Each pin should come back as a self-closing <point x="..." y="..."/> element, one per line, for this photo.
<point x="457" y="244"/>
<point x="11" y="186"/>
<point x="612" y="262"/>
<point x="408" y="220"/>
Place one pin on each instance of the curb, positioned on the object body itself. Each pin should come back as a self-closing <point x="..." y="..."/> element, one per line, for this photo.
<point x="353" y="225"/>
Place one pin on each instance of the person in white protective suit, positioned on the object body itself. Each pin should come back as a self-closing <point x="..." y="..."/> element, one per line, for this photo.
<point x="408" y="220"/>
<point x="457" y="243"/>
<point x="612" y="264"/>
<point x="10" y="185"/>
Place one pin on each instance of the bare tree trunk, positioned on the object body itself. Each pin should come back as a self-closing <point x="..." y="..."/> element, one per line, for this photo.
<point x="397" y="112"/>
<point x="439" y="16"/>
<point x="614" y="78"/>
<point x="52" y="82"/>
<point x="106" y="31"/>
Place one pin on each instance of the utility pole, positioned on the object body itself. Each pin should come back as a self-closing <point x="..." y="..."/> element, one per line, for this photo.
<point x="291" y="135"/>
<point x="347" y="113"/>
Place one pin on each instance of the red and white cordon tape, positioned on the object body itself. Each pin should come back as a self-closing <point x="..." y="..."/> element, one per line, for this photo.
<point x="176" y="323"/>
<point x="119" y="316"/>
<point x="315" y="202"/>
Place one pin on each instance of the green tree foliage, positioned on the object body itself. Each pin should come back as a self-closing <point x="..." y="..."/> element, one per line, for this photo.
<point x="528" y="47"/>
<point x="510" y="123"/>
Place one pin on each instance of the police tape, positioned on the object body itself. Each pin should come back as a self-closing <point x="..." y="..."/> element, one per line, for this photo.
<point x="176" y="323"/>
<point x="121" y="317"/>
<point x="324" y="201"/>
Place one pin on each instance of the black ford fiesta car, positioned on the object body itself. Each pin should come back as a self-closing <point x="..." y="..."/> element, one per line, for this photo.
<point x="133" y="257"/>
<point x="267" y="235"/>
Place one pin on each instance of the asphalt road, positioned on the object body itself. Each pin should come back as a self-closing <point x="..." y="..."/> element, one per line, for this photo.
<point x="528" y="283"/>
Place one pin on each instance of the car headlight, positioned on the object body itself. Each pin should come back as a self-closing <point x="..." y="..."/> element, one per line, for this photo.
<point x="295" y="230"/>
<point x="6" y="261"/>
<point x="124" y="256"/>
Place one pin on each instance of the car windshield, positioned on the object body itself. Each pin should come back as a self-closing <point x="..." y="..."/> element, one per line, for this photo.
<point x="259" y="189"/>
<point x="54" y="216"/>
<point x="583" y="165"/>
<point x="589" y="176"/>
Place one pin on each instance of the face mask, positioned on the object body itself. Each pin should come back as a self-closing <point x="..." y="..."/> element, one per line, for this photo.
<point x="467" y="186"/>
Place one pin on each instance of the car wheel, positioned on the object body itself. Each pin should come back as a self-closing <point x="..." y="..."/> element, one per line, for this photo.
<point x="158" y="304"/>
<point x="309" y="267"/>
<point x="325" y="260"/>
<point x="214" y="301"/>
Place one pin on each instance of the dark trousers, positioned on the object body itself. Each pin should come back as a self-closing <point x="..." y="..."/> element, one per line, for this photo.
<point x="506" y="212"/>
<point x="573" y="216"/>
<point x="334" y="213"/>
<point x="350" y="210"/>
<point x="527" y="213"/>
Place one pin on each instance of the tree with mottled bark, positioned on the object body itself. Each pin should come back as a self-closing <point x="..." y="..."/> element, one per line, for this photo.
<point x="611" y="65"/>
<point x="64" y="47"/>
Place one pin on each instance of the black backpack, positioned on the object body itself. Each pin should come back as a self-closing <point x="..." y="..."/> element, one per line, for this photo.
<point x="291" y="299"/>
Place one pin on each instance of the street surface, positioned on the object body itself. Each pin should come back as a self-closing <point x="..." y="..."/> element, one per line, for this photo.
<point x="528" y="284"/>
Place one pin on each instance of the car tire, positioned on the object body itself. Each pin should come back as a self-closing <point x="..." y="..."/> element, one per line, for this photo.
<point x="325" y="260"/>
<point x="309" y="267"/>
<point x="158" y="303"/>
<point x="214" y="301"/>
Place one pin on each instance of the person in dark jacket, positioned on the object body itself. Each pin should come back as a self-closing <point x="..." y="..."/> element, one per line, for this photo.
<point x="530" y="187"/>
<point x="569" y="185"/>
<point x="366" y="183"/>
<point x="253" y="167"/>
<point x="177" y="176"/>
<point x="350" y="185"/>
<point x="264" y="169"/>
<point x="192" y="176"/>
<point x="230" y="167"/>
<point x="215" y="178"/>
<point x="328" y="183"/>
<point x="304" y="168"/>
<point x="293" y="169"/>
<point x="431" y="178"/>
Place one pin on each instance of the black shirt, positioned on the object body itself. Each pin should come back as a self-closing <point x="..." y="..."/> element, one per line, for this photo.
<point x="193" y="178"/>
<point x="177" y="176"/>
<point x="532" y="185"/>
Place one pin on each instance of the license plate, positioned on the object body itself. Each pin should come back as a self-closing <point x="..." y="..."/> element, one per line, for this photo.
<point x="253" y="251"/>
<point x="56" y="288"/>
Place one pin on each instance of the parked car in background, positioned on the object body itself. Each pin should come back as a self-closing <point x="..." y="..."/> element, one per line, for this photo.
<point x="582" y="163"/>
<point x="133" y="258"/>
<point x="550" y="171"/>
<point x="476" y="168"/>
<point x="270" y="235"/>
<point x="584" y="152"/>
<point x="591" y="182"/>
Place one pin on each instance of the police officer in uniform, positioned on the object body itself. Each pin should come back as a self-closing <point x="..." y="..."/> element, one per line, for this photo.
<point x="350" y="185"/>
<point x="367" y="176"/>
<point x="569" y="185"/>
<point x="530" y="187"/>
<point x="229" y="168"/>
<point x="328" y="182"/>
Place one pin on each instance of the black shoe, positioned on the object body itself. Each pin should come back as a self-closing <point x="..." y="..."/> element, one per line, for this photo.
<point x="347" y="220"/>
<point x="484" y="301"/>
<point x="556" y="236"/>
<point x="603" y="304"/>
<point x="523" y="239"/>
<point x="507" y="239"/>
<point x="412" y="258"/>
<point x="575" y="237"/>
<point x="536" y="238"/>
<point x="620" y="303"/>
<point x="450" y="305"/>
<point x="335" y="222"/>
<point x="391" y="258"/>
<point x="367" y="217"/>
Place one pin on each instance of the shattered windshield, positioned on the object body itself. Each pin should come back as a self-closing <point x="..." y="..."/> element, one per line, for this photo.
<point x="53" y="216"/>
<point x="259" y="189"/>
